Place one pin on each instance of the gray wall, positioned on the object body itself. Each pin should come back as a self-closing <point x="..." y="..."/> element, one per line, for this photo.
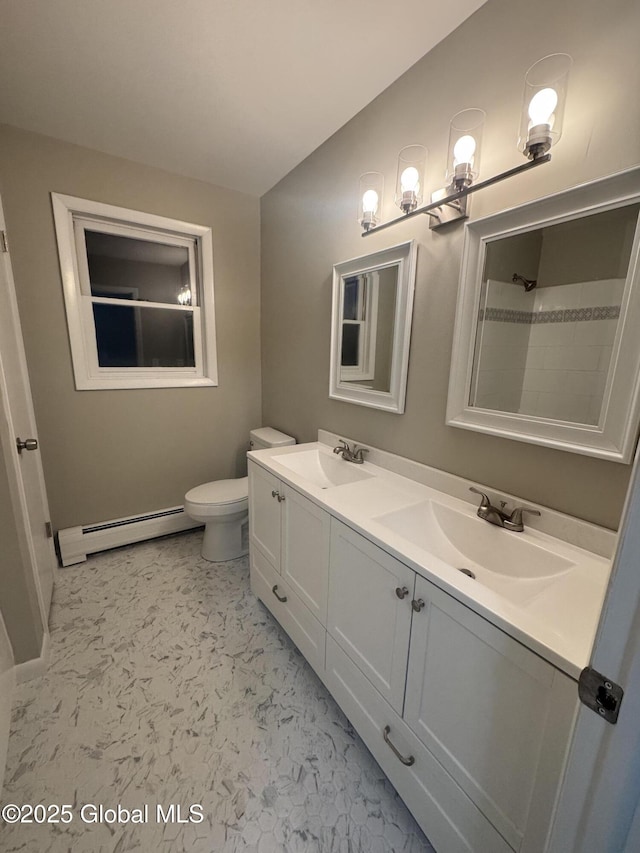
<point x="308" y="224"/>
<point x="115" y="453"/>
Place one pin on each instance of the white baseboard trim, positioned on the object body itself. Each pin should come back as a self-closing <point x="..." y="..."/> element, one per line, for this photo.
<point x="76" y="542"/>
<point x="35" y="667"/>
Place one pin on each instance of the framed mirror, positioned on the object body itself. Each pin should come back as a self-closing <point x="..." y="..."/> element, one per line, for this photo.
<point x="546" y="345"/>
<point x="371" y="328"/>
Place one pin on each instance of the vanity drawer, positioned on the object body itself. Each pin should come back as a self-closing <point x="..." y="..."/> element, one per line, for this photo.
<point x="296" y="619"/>
<point x="448" y="817"/>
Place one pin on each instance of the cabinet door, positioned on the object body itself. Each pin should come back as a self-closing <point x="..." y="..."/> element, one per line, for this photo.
<point x="365" y="615"/>
<point x="305" y="551"/>
<point x="303" y="628"/>
<point x="264" y="512"/>
<point x="494" y="714"/>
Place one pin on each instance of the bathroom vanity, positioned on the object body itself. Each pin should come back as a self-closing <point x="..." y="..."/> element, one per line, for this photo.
<point x="462" y="685"/>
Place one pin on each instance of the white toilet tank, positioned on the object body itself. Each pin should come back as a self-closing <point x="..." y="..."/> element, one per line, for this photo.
<point x="268" y="437"/>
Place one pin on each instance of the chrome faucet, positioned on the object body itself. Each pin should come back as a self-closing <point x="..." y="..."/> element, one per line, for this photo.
<point x="494" y="515"/>
<point x="350" y="454"/>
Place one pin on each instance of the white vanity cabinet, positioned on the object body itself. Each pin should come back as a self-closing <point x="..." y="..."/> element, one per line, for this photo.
<point x="470" y="725"/>
<point x="289" y="560"/>
<point x="464" y="713"/>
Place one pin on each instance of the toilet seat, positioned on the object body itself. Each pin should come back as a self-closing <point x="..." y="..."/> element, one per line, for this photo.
<point x="220" y="492"/>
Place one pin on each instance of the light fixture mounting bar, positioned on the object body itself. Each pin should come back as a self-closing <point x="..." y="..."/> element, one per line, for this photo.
<point x="430" y="209"/>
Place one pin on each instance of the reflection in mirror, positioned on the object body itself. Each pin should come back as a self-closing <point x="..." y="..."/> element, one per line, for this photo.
<point x="549" y="312"/>
<point x="371" y="323"/>
<point x="368" y="311"/>
<point x="546" y="347"/>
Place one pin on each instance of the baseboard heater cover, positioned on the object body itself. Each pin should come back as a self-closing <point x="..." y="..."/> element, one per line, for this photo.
<point x="75" y="543"/>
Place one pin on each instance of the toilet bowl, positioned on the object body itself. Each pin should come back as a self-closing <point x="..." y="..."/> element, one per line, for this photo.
<point x="223" y="505"/>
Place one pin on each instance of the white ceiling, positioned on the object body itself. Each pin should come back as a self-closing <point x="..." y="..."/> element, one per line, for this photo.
<point x="234" y="92"/>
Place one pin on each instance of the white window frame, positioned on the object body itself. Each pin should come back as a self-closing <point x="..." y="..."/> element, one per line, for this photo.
<point x="72" y="217"/>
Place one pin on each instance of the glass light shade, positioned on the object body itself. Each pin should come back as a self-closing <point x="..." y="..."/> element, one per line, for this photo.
<point x="370" y="199"/>
<point x="543" y="102"/>
<point x="184" y="295"/>
<point x="463" y="153"/>
<point x="412" y="162"/>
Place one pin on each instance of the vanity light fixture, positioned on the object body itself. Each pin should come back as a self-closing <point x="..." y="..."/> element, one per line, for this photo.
<point x="184" y="295"/>
<point x="545" y="93"/>
<point x="540" y="128"/>
<point x="412" y="162"/>
<point x="463" y="166"/>
<point x="370" y="199"/>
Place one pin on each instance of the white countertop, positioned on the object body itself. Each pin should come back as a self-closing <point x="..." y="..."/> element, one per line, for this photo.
<point x="557" y="622"/>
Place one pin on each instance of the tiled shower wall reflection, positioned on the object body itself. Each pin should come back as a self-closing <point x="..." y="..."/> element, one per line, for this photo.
<point x="547" y="352"/>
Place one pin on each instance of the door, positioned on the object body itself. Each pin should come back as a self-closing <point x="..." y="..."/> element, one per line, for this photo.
<point x="369" y="613"/>
<point x="19" y="423"/>
<point x="264" y="512"/>
<point x="305" y="551"/>
<point x="599" y="805"/>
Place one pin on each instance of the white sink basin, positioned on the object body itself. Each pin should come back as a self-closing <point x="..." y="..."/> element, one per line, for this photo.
<point x="323" y="469"/>
<point x="504" y="561"/>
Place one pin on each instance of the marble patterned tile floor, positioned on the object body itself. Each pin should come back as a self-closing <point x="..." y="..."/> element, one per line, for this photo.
<point x="170" y="683"/>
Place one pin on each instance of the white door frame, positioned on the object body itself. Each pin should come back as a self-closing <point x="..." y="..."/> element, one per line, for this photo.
<point x="599" y="806"/>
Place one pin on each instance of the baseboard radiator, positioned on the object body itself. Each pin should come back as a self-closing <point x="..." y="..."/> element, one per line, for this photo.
<point x="75" y="543"/>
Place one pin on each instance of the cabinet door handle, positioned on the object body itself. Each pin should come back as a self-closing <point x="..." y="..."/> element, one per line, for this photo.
<point x="406" y="761"/>
<point x="275" y="493"/>
<point x="280" y="498"/>
<point x="281" y="598"/>
<point x="417" y="605"/>
<point x="401" y="592"/>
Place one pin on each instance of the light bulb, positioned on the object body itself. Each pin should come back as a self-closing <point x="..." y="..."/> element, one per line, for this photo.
<point x="370" y="202"/>
<point x="410" y="180"/>
<point x="542" y="105"/>
<point x="463" y="150"/>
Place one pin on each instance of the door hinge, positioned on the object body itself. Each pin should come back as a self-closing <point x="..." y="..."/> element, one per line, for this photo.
<point x="49" y="529"/>
<point x="4" y="243"/>
<point x="600" y="694"/>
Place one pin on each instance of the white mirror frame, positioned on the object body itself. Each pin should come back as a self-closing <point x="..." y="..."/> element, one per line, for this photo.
<point x="614" y="436"/>
<point x="404" y="257"/>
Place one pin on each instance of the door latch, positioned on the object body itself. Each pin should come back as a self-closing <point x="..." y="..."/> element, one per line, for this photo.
<point x="600" y="694"/>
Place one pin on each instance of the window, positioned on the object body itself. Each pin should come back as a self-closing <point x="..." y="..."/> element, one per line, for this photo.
<point x="359" y="322"/>
<point x="138" y="292"/>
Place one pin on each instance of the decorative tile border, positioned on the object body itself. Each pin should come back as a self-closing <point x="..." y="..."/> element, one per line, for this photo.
<point x="561" y="315"/>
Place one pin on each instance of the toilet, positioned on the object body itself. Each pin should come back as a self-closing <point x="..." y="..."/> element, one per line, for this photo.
<point x="223" y="505"/>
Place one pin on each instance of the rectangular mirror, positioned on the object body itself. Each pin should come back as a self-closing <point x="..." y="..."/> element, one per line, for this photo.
<point x="544" y="348"/>
<point x="371" y="328"/>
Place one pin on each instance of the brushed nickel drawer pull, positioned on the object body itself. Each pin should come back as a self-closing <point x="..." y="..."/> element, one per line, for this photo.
<point x="402" y="592"/>
<point x="406" y="761"/>
<point x="275" y="493"/>
<point x="281" y="598"/>
<point x="417" y="605"/>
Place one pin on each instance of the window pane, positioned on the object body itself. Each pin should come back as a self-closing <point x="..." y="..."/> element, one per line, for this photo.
<point x="352" y="308"/>
<point x="143" y="337"/>
<point x="350" y="344"/>
<point x="128" y="268"/>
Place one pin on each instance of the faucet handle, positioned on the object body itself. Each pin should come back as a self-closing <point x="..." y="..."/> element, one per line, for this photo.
<point x="358" y="453"/>
<point x="485" y="502"/>
<point x="338" y="449"/>
<point x="516" y="516"/>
